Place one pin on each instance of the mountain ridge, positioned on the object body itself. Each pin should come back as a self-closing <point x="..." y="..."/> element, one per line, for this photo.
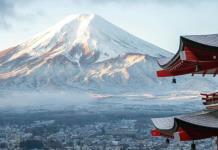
<point x="85" y="52"/>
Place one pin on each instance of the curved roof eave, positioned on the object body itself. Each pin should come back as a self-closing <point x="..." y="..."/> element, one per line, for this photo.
<point x="164" y="124"/>
<point x="208" y="41"/>
<point x="175" y="58"/>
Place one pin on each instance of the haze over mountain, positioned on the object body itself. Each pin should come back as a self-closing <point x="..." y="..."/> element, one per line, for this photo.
<point x="84" y="52"/>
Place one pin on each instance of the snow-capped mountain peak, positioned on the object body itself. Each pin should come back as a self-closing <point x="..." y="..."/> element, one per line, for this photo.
<point x="79" y="49"/>
<point x="84" y="19"/>
<point x="97" y="36"/>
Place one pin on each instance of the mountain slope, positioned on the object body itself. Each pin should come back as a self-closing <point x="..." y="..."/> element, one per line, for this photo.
<point x="66" y="53"/>
<point x="86" y="36"/>
<point x="86" y="52"/>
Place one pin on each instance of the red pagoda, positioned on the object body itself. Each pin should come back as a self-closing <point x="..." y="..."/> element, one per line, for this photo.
<point x="197" y="54"/>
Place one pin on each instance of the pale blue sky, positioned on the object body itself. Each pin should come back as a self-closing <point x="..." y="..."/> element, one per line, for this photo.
<point x="160" y="22"/>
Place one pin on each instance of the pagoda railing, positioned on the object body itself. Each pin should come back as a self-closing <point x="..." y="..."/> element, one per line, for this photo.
<point x="210" y="99"/>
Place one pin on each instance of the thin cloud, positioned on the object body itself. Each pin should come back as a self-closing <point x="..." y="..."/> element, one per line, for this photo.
<point x="166" y="3"/>
<point x="6" y="12"/>
<point x="10" y="10"/>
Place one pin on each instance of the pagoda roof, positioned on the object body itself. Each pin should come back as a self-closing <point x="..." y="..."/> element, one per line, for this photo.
<point x="209" y="40"/>
<point x="208" y="119"/>
<point x="197" y="54"/>
<point x="205" y="121"/>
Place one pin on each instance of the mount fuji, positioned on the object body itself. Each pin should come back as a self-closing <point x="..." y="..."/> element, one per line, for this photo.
<point x="84" y="52"/>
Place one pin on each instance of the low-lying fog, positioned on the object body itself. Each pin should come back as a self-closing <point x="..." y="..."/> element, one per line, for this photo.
<point x="36" y="99"/>
<point x="65" y="100"/>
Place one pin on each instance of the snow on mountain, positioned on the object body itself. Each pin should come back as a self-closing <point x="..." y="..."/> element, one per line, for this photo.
<point x="86" y="52"/>
<point x="88" y="36"/>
